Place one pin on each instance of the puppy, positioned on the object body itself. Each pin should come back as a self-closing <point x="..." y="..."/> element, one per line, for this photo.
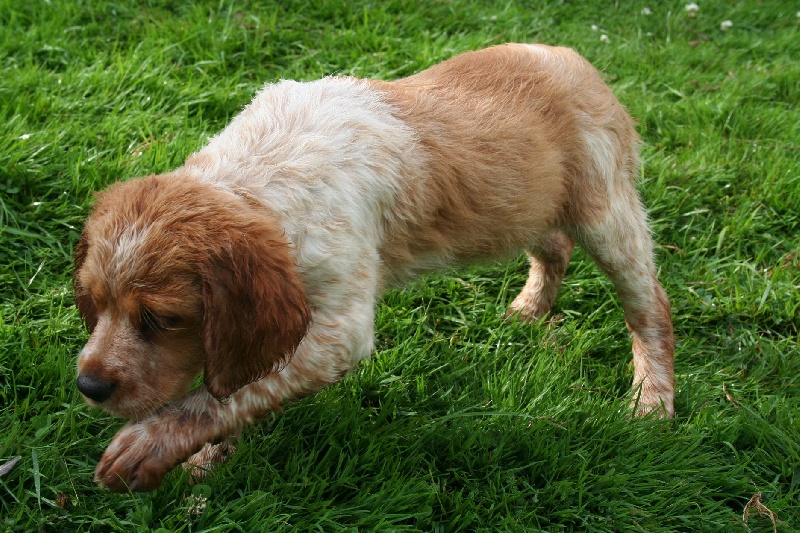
<point x="258" y="263"/>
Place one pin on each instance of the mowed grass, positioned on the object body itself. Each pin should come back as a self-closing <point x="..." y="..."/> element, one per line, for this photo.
<point x="461" y="421"/>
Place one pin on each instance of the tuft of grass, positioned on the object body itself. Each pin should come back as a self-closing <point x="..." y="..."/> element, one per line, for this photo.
<point x="461" y="421"/>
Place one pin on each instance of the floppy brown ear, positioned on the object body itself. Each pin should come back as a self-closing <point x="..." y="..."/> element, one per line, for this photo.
<point x="256" y="311"/>
<point x="83" y="300"/>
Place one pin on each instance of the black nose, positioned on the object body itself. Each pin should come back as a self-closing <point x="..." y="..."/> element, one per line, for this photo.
<point x="95" y="388"/>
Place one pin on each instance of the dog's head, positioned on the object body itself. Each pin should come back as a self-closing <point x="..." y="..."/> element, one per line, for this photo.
<point x="175" y="278"/>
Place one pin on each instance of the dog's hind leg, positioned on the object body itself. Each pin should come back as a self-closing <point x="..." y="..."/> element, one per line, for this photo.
<point x="549" y="259"/>
<point x="618" y="239"/>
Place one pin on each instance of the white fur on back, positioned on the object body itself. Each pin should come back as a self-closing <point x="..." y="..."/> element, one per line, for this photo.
<point x="328" y="156"/>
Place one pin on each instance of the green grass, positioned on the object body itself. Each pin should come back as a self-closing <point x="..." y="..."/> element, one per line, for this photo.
<point x="461" y="421"/>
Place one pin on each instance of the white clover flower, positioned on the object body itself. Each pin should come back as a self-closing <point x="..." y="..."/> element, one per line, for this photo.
<point x="25" y="136"/>
<point x="604" y="38"/>
<point x="594" y="27"/>
<point x="726" y="25"/>
<point x="646" y="11"/>
<point x="692" y="9"/>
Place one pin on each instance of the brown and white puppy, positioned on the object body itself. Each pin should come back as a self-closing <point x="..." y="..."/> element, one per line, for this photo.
<point x="258" y="263"/>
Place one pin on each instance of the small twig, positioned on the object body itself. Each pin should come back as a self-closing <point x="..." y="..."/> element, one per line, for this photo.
<point x="729" y="396"/>
<point x="673" y="248"/>
<point x="755" y="507"/>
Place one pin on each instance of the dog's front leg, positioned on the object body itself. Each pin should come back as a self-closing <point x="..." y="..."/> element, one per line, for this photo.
<point x="145" y="450"/>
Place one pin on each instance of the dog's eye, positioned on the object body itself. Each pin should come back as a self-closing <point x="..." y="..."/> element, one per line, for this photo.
<point x="152" y="323"/>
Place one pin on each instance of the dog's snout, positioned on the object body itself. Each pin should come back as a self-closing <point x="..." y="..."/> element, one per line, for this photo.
<point x="95" y="388"/>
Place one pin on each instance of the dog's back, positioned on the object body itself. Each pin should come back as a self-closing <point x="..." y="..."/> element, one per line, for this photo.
<point x="517" y="139"/>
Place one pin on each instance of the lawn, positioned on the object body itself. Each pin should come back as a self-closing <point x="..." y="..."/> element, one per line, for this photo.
<point x="461" y="421"/>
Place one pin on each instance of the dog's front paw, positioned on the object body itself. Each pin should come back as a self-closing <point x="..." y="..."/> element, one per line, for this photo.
<point x="208" y="459"/>
<point x="139" y="457"/>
